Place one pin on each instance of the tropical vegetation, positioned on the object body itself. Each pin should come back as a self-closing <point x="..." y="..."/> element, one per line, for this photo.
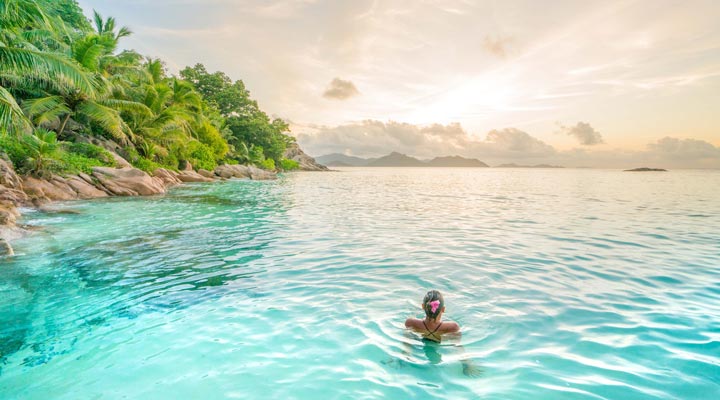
<point x="68" y="95"/>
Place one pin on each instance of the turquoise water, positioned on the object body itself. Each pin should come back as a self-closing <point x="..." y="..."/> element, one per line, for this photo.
<point x="569" y="284"/>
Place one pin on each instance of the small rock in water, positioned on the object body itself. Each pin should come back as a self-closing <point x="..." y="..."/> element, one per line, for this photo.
<point x="5" y="248"/>
<point x="50" y="210"/>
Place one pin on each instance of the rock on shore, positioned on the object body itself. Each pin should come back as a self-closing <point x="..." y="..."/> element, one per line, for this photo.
<point x="243" y="172"/>
<point x="128" y="181"/>
<point x="16" y="191"/>
<point x="307" y="163"/>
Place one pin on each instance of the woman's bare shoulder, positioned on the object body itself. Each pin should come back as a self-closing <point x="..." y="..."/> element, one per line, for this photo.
<point x="412" y="323"/>
<point x="450" y="327"/>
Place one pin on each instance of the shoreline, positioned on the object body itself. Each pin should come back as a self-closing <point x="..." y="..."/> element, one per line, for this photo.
<point x="17" y="192"/>
<point x="27" y="192"/>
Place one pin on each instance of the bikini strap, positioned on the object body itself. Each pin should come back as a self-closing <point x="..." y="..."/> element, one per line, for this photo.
<point x="428" y="329"/>
<point x="437" y="327"/>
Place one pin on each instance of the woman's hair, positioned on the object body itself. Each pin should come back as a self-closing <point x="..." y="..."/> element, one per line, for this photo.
<point x="433" y="304"/>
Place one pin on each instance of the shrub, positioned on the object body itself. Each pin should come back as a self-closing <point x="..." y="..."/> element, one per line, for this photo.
<point x="40" y="154"/>
<point x="211" y="137"/>
<point x="201" y="156"/>
<point x="145" y="165"/>
<point x="36" y="153"/>
<point x="75" y="163"/>
<point x="170" y="161"/>
<point x="16" y="152"/>
<point x="140" y="162"/>
<point x="268" y="164"/>
<point x="289" y="165"/>
<point x="91" y="151"/>
<point x="256" y="155"/>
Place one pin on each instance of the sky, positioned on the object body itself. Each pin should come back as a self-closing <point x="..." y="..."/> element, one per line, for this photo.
<point x="580" y="83"/>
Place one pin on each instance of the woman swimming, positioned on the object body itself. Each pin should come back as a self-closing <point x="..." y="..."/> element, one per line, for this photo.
<point x="432" y="327"/>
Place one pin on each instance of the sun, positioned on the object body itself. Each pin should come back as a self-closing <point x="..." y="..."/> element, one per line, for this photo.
<point x="476" y="98"/>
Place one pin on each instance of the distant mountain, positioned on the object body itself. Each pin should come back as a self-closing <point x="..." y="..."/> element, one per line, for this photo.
<point x="456" y="161"/>
<point x="396" y="159"/>
<point x="339" y="164"/>
<point x="512" y="165"/>
<point x="341" y="160"/>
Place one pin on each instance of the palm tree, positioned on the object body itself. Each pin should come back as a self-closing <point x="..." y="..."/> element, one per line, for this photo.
<point x="92" y="104"/>
<point x="41" y="145"/>
<point x="107" y="27"/>
<point x="21" y="60"/>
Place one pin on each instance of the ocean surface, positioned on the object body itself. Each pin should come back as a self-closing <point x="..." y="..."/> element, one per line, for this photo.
<point x="568" y="284"/>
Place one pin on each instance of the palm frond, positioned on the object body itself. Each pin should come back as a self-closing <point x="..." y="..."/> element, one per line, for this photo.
<point x="45" y="109"/>
<point x="11" y="115"/>
<point x="109" y="25"/>
<point x="19" y="13"/>
<point x="98" y="20"/>
<point x="127" y="105"/>
<point x="87" y="52"/>
<point x="53" y="65"/>
<point x="123" y="32"/>
<point x="104" y="116"/>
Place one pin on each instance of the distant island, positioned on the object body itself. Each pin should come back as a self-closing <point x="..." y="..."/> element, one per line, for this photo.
<point x="645" y="169"/>
<point x="396" y="159"/>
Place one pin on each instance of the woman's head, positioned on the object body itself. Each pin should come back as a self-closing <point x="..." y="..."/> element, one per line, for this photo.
<point x="433" y="304"/>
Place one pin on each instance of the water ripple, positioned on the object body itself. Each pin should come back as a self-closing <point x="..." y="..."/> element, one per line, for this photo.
<point x="299" y="288"/>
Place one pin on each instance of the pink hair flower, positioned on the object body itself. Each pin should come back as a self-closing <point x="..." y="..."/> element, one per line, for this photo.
<point x="434" y="305"/>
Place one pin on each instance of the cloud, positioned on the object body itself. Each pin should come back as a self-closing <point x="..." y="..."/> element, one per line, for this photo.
<point x="496" y="46"/>
<point x="667" y="152"/>
<point x="684" y="149"/>
<point x="340" y="90"/>
<point x="372" y="138"/>
<point x="516" y="143"/>
<point x="584" y="133"/>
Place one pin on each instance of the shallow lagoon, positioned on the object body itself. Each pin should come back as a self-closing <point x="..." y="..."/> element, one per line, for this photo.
<point x="569" y="284"/>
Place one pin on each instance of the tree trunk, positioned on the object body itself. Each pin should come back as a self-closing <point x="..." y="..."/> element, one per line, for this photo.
<point x="62" y="126"/>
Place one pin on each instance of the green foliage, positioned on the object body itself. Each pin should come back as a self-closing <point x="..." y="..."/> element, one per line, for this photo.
<point x="44" y="65"/>
<point x="41" y="147"/>
<point x="268" y="164"/>
<point x="289" y="165"/>
<point x="73" y="163"/>
<point x="246" y="123"/>
<point x="91" y="151"/>
<point x="210" y="136"/>
<point x="69" y="12"/>
<point x="15" y="150"/>
<point x="11" y="116"/>
<point x="140" y="162"/>
<point x="61" y="71"/>
<point x="41" y="154"/>
<point x="259" y="131"/>
<point x="146" y="165"/>
<point x="217" y="88"/>
<point x="256" y="155"/>
<point x="201" y="156"/>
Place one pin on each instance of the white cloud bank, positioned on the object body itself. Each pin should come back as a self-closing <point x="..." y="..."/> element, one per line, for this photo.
<point x="373" y="138"/>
